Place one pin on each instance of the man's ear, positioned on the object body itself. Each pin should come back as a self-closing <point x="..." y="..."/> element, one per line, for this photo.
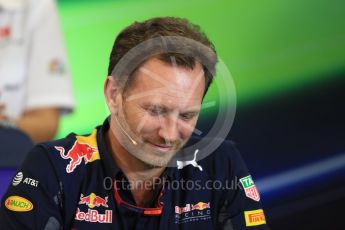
<point x="112" y="94"/>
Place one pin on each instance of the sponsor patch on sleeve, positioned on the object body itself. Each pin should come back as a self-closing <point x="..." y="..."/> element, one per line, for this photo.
<point x="250" y="188"/>
<point x="18" y="179"/>
<point x="254" y="217"/>
<point x="18" y="204"/>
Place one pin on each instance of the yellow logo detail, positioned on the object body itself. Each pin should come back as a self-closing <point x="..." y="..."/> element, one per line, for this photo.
<point x="92" y="142"/>
<point x="254" y="217"/>
<point x="18" y="204"/>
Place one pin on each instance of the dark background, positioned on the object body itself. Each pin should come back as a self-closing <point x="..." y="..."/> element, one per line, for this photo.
<point x="292" y="132"/>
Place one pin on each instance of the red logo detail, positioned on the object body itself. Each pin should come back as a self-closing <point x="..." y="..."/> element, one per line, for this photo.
<point x="252" y="193"/>
<point x="201" y="206"/>
<point x="78" y="152"/>
<point x="94" y="216"/>
<point x="256" y="217"/>
<point x="190" y="207"/>
<point x="93" y="200"/>
<point x="5" y="32"/>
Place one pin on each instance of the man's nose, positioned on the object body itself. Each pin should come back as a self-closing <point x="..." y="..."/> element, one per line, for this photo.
<point x="169" y="129"/>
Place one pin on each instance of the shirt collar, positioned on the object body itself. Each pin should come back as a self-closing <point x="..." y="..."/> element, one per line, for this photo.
<point x="111" y="168"/>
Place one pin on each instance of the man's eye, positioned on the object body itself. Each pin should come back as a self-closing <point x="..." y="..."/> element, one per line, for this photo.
<point x="156" y="111"/>
<point x="187" y="116"/>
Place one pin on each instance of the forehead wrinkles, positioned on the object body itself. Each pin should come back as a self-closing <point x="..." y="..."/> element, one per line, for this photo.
<point x="163" y="97"/>
<point x="172" y="96"/>
<point x="181" y="84"/>
<point x="169" y="101"/>
<point x="179" y="77"/>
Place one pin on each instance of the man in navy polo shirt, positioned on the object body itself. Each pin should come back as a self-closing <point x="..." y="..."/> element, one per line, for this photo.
<point x="141" y="169"/>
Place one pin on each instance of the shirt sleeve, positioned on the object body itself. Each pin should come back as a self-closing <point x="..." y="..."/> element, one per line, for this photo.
<point x="33" y="199"/>
<point x="49" y="82"/>
<point x="241" y="207"/>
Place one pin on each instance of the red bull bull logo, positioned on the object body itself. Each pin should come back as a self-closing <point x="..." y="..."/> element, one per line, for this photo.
<point x="201" y="206"/>
<point x="93" y="200"/>
<point x="84" y="148"/>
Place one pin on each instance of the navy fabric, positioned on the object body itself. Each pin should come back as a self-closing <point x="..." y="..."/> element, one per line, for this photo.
<point x="6" y="175"/>
<point x="82" y="197"/>
<point x="14" y="146"/>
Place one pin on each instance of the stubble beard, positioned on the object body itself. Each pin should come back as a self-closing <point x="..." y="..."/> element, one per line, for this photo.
<point x="142" y="150"/>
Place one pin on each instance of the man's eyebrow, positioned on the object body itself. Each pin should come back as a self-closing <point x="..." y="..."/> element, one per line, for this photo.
<point x="154" y="105"/>
<point x="193" y="109"/>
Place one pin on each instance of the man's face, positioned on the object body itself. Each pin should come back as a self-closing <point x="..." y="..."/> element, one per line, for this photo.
<point x="159" y="110"/>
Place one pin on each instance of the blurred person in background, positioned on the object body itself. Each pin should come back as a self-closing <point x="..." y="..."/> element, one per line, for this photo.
<point x="35" y="87"/>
